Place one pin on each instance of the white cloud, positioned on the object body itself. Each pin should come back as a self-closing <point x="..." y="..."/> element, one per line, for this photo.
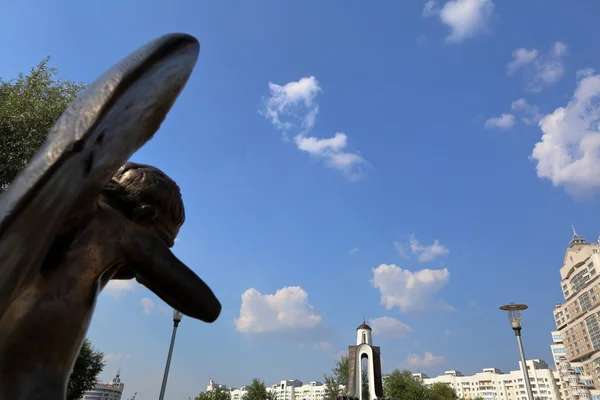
<point x="147" y="305"/>
<point x="293" y="107"/>
<point x="354" y="250"/>
<point x="569" y="151"/>
<point x="530" y="114"/>
<point x="409" y="291"/>
<point x="430" y="9"/>
<point x="284" y="100"/>
<point x="504" y="121"/>
<point x="585" y="72"/>
<point x="332" y="152"/>
<point x="521" y="57"/>
<point x="427" y="253"/>
<point x="465" y="18"/>
<point x="120" y="287"/>
<point x="543" y="71"/>
<point x="116" y="357"/>
<point x="390" y="327"/>
<point x="287" y="309"/>
<point x="426" y="361"/>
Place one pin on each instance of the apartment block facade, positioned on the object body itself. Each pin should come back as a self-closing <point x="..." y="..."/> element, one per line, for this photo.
<point x="290" y="389"/>
<point x="576" y="341"/>
<point x="493" y="384"/>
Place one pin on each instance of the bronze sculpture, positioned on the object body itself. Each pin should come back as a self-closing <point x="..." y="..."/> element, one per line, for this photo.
<point x="76" y="217"/>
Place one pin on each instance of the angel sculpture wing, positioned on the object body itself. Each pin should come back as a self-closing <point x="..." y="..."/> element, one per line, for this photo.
<point x="96" y="134"/>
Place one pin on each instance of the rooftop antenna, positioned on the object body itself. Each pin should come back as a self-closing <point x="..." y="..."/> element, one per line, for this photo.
<point x="574" y="233"/>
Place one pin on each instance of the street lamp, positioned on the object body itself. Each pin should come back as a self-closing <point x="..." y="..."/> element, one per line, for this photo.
<point x="515" y="318"/>
<point x="177" y="316"/>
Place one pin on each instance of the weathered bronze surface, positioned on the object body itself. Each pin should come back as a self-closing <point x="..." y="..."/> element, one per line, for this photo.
<point x="76" y="217"/>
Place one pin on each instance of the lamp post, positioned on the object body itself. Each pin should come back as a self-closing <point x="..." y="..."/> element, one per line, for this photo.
<point x="177" y="316"/>
<point x="515" y="318"/>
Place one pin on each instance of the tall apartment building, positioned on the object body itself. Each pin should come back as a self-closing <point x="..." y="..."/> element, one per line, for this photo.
<point x="106" y="391"/>
<point x="576" y="342"/>
<point x="493" y="384"/>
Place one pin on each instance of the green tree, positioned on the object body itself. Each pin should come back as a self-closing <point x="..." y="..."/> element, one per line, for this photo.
<point x="365" y="385"/>
<point x="442" y="391"/>
<point x="29" y="106"/>
<point x="478" y="398"/>
<point x="89" y="364"/>
<point x="403" y="385"/>
<point x="341" y="371"/>
<point x="332" y="388"/>
<point x="271" y="395"/>
<point x="217" y="393"/>
<point x="256" y="391"/>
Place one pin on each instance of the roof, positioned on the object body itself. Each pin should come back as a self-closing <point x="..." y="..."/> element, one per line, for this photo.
<point x="364" y="326"/>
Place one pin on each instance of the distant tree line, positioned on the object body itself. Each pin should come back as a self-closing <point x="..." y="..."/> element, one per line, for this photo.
<point x="397" y="385"/>
<point x="256" y="391"/>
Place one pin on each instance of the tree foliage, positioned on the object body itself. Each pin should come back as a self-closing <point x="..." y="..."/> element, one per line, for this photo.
<point x="29" y="106"/>
<point x="365" y="385"/>
<point x="89" y="364"/>
<point x="332" y="388"/>
<point x="257" y="391"/>
<point x="441" y="391"/>
<point x="403" y="385"/>
<point x="216" y="393"/>
<point x="341" y="371"/>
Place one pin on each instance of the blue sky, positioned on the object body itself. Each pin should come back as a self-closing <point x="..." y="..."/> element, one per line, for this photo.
<point x="460" y="146"/>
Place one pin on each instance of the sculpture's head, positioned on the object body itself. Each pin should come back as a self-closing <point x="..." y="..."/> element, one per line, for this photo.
<point x="148" y="197"/>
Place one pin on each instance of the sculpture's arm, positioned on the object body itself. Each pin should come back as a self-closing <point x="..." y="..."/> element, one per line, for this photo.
<point x="162" y="272"/>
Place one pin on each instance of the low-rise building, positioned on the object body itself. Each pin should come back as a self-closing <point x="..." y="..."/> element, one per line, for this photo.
<point x="493" y="384"/>
<point x="290" y="389"/>
<point x="106" y="391"/>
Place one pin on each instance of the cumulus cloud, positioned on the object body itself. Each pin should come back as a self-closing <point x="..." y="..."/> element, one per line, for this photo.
<point x="504" y="121"/>
<point x="427" y="253"/>
<point x="332" y="151"/>
<point x="521" y="57"/>
<point x="118" y="288"/>
<point x="292" y="108"/>
<point x="430" y="9"/>
<point x="530" y="114"/>
<point x="147" y="305"/>
<point x="410" y="291"/>
<point x="465" y="18"/>
<point x="287" y="309"/>
<point x="389" y="327"/>
<point x="542" y="71"/>
<point x="568" y="153"/>
<point x="293" y="100"/>
<point x="426" y="361"/>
